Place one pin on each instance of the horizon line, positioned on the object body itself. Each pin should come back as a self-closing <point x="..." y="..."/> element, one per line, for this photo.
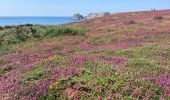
<point x="80" y="13"/>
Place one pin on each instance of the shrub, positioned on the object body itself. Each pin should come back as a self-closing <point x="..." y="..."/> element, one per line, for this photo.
<point x="131" y="22"/>
<point x="35" y="74"/>
<point x="158" y="17"/>
<point x="1" y="28"/>
<point x="2" y="71"/>
<point x="21" y="33"/>
<point x="6" y="50"/>
<point x="28" y="25"/>
<point x="6" y="27"/>
<point x="9" y="39"/>
<point x="85" y="88"/>
<point x="55" y="91"/>
<point x="59" y="31"/>
<point x="86" y="71"/>
<point x="139" y="62"/>
<point x="7" y="69"/>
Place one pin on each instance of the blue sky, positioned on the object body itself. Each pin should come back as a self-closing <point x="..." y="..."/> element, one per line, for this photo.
<point x="69" y="7"/>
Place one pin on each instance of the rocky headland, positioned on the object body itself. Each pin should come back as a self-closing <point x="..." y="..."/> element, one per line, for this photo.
<point x="90" y="15"/>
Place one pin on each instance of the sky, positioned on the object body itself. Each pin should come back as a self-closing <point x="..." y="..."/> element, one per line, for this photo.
<point x="69" y="7"/>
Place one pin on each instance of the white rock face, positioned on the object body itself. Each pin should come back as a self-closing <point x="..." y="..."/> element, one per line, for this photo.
<point x="94" y="15"/>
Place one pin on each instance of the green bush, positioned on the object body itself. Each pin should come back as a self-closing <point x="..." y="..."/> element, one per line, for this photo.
<point x="21" y="33"/>
<point x="6" y="50"/>
<point x="1" y="28"/>
<point x="6" y="27"/>
<point x="9" y="39"/>
<point x="158" y="17"/>
<point x="55" y="91"/>
<point x="59" y="31"/>
<point x="131" y="22"/>
<point x="85" y="88"/>
<point x="35" y="74"/>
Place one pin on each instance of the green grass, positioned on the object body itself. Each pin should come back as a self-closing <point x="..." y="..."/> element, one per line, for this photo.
<point x="137" y="52"/>
<point x="35" y="74"/>
<point x="6" y="69"/>
<point x="88" y="83"/>
<point x="39" y="70"/>
<point x="6" y="50"/>
<point x="2" y="71"/>
<point x="100" y="80"/>
<point x="17" y="34"/>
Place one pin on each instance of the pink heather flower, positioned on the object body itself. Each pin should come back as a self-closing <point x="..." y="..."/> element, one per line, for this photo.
<point x="10" y="55"/>
<point x="79" y="59"/>
<point x="168" y="93"/>
<point x="152" y="31"/>
<point x="118" y="61"/>
<point x="44" y="55"/>
<point x="29" y="59"/>
<point x="163" y="81"/>
<point x="49" y="47"/>
<point x="128" y="84"/>
<point x="162" y="98"/>
<point x="86" y="46"/>
<point x="99" y="98"/>
<point x="26" y="66"/>
<point x="137" y="90"/>
<point x="12" y="63"/>
<point x="120" y="45"/>
<point x="109" y="97"/>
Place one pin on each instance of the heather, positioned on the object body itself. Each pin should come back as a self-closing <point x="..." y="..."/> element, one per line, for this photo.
<point x="124" y="56"/>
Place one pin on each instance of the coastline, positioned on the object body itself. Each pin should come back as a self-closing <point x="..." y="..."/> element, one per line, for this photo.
<point x="43" y="20"/>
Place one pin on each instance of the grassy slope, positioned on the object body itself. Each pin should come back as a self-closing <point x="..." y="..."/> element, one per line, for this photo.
<point x="125" y="55"/>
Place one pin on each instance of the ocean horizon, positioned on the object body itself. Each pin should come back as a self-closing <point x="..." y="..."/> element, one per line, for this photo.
<point x="18" y="20"/>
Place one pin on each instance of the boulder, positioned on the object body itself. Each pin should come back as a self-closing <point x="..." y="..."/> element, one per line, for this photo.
<point x="102" y="14"/>
<point x="94" y="15"/>
<point x="78" y="16"/>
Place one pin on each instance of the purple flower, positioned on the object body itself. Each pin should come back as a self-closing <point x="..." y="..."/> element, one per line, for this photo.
<point x="163" y="80"/>
<point x="79" y="59"/>
<point x="120" y="45"/>
<point x="26" y="66"/>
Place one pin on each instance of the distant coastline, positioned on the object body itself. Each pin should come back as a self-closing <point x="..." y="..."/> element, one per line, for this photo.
<point x="44" y="20"/>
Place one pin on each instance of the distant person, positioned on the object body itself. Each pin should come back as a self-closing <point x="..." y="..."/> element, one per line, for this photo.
<point x="153" y="9"/>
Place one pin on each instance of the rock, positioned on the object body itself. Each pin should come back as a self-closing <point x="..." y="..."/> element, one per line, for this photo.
<point x="94" y="15"/>
<point x="90" y="15"/>
<point x="78" y="16"/>
<point x="102" y="14"/>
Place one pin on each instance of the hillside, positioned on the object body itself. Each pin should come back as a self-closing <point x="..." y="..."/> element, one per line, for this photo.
<point x="122" y="56"/>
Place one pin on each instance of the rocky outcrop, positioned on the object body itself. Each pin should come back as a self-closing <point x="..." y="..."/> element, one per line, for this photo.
<point x="94" y="15"/>
<point x="103" y="14"/>
<point x="78" y="16"/>
<point x="91" y="15"/>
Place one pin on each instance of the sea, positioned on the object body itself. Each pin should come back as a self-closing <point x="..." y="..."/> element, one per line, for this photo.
<point x="35" y="20"/>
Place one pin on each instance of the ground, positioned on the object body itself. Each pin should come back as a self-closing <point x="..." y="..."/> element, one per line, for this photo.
<point x="122" y="56"/>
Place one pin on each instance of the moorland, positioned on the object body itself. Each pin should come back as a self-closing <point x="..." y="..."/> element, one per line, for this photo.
<point x="125" y="56"/>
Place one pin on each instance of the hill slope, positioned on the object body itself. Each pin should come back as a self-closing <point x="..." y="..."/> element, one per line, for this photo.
<point x="123" y="56"/>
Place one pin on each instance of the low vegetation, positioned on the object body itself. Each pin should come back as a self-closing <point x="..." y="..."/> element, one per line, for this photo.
<point x="131" y="22"/>
<point x="158" y="17"/>
<point x="113" y="60"/>
<point x="21" y="33"/>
